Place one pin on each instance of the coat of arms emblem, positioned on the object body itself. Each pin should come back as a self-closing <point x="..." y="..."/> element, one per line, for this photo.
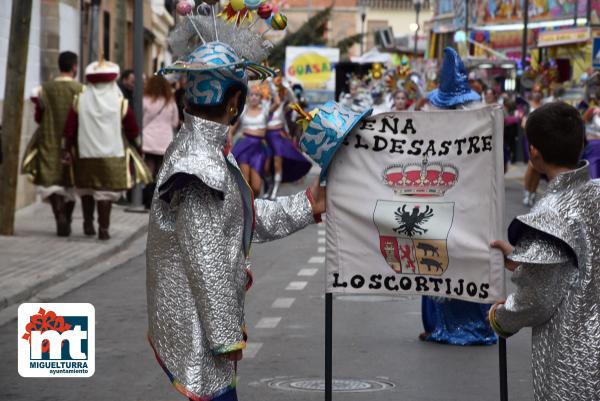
<point x="413" y="235"/>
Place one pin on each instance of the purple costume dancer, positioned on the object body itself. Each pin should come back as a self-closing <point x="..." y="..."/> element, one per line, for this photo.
<point x="252" y="149"/>
<point x="591" y="152"/>
<point x="293" y="164"/>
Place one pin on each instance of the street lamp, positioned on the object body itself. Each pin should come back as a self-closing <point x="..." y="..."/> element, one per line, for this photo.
<point x="417" y="4"/>
<point x="363" y="16"/>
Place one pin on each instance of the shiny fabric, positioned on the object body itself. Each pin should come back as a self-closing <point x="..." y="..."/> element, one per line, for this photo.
<point x="202" y="221"/>
<point x="557" y="295"/>
<point x="295" y="165"/>
<point x="326" y="131"/>
<point x="251" y="150"/>
<point x="457" y="322"/>
<point x="454" y="86"/>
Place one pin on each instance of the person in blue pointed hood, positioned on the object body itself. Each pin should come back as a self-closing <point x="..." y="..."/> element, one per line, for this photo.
<point x="452" y="321"/>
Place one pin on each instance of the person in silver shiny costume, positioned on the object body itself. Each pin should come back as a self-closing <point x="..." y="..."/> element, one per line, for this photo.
<point x="555" y="263"/>
<point x="203" y="220"/>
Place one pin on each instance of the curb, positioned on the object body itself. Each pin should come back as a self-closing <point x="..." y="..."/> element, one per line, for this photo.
<point x="136" y="247"/>
<point x="31" y="291"/>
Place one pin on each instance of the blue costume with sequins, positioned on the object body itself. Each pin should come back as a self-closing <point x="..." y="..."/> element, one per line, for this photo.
<point x="454" y="321"/>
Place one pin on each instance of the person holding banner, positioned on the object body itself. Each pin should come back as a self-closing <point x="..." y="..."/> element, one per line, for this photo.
<point x="452" y="321"/>
<point x="204" y="216"/>
<point x="555" y="257"/>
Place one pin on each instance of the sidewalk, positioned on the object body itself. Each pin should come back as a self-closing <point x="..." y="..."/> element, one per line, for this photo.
<point x="35" y="258"/>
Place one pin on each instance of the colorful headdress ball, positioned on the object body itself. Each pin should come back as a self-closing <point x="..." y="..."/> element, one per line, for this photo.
<point x="454" y="86"/>
<point x="185" y="7"/>
<point x="325" y="129"/>
<point x="102" y="71"/>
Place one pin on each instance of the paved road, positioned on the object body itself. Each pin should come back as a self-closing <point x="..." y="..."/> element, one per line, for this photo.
<point x="374" y="338"/>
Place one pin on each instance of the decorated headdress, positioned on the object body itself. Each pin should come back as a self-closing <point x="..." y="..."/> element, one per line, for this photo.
<point x="216" y="54"/>
<point x="454" y="85"/>
<point x="325" y="129"/>
<point x="102" y="71"/>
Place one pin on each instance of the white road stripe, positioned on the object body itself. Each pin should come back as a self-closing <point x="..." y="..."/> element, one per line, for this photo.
<point x="296" y="285"/>
<point x="308" y="272"/>
<point x="283" y="303"/>
<point x="252" y="349"/>
<point x="317" y="259"/>
<point x="321" y="232"/>
<point x="321" y="249"/>
<point x="268" y="322"/>
<point x="321" y="240"/>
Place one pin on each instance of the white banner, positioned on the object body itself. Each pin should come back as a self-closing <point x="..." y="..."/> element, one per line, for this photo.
<point x="413" y="201"/>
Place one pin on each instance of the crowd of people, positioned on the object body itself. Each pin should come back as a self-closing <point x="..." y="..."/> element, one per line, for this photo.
<point x="401" y="89"/>
<point x="214" y="143"/>
<point x="88" y="141"/>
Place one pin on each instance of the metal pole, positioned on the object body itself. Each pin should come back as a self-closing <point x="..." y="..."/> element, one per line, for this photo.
<point x="588" y="13"/>
<point x="82" y="18"/>
<point x="138" y="91"/>
<point x="525" y="36"/>
<point x="12" y="112"/>
<point x="363" y="17"/>
<point x="93" y="49"/>
<point x="417" y="9"/>
<point x="575" y="10"/>
<point x="467" y="17"/>
<point x="467" y="25"/>
<point x="503" y="369"/>
<point x="328" y="346"/>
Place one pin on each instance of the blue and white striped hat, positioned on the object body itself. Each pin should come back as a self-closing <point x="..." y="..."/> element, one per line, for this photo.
<point x="212" y="69"/>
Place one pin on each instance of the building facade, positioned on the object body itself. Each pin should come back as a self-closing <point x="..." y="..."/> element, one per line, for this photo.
<point x="61" y="25"/>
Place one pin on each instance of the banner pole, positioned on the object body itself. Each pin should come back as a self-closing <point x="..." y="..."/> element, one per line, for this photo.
<point x="328" y="346"/>
<point x="503" y="369"/>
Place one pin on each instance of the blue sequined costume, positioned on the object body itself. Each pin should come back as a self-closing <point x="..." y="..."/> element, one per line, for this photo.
<point x="454" y="321"/>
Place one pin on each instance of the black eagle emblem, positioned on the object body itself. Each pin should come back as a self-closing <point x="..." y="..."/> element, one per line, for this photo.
<point x="410" y="222"/>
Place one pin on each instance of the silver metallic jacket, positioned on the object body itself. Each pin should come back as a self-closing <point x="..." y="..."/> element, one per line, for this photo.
<point x="558" y="288"/>
<point x="202" y="222"/>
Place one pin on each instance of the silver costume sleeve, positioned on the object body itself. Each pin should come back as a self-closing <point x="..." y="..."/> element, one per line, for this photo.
<point x="282" y="217"/>
<point x="540" y="289"/>
<point x="203" y="243"/>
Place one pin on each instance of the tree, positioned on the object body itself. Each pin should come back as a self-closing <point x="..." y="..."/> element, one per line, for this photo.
<point x="12" y="115"/>
<point x="312" y="32"/>
<point x="345" y="44"/>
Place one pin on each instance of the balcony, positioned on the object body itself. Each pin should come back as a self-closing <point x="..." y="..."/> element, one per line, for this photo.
<point x="394" y="4"/>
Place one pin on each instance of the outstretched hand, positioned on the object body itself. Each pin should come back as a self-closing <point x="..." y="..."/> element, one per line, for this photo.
<point x="319" y="197"/>
<point x="506" y="249"/>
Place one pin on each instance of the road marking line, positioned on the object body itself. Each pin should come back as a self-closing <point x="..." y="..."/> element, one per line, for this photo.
<point x="321" y="232"/>
<point x="283" y="303"/>
<point x="296" y="285"/>
<point x="321" y="249"/>
<point x="252" y="349"/>
<point x="317" y="259"/>
<point x="321" y="240"/>
<point x="308" y="271"/>
<point x="268" y="322"/>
